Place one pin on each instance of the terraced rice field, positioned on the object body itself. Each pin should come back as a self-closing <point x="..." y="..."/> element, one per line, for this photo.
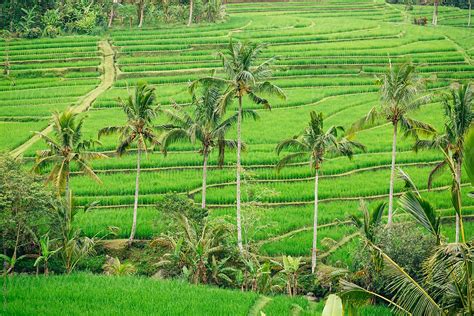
<point x="329" y="54"/>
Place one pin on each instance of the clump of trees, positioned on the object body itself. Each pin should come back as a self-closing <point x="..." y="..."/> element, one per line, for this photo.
<point x="33" y="19"/>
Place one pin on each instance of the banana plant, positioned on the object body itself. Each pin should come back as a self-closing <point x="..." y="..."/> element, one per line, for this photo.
<point x="290" y="271"/>
<point x="46" y="252"/>
<point x="11" y="262"/>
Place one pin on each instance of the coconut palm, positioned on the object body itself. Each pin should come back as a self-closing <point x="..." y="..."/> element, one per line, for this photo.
<point x="469" y="13"/>
<point x="458" y="120"/>
<point x="140" y="113"/>
<point x="243" y="77"/>
<point x="316" y="143"/>
<point x="207" y="125"/>
<point x="66" y="147"/>
<point x="190" y="18"/>
<point x="401" y="93"/>
<point x="435" y="12"/>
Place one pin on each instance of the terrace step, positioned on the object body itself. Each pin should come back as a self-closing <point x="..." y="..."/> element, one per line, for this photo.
<point x="108" y="77"/>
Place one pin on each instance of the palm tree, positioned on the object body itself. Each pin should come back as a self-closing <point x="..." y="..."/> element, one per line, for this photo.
<point x="242" y="78"/>
<point x="316" y="143"/>
<point x="138" y="129"/>
<point x="458" y="120"/>
<point x="65" y="148"/>
<point x="190" y="18"/>
<point x="470" y="13"/>
<point x="400" y="94"/>
<point x="435" y="12"/>
<point x="206" y="125"/>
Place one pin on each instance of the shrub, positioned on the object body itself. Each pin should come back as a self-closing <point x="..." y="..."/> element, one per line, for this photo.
<point x="173" y="206"/>
<point x="34" y="32"/>
<point x="113" y="266"/>
<point x="420" y="20"/>
<point x="404" y="242"/>
<point x="87" y="23"/>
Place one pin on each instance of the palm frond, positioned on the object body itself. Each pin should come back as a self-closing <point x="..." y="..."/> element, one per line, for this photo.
<point x="289" y="158"/>
<point x="416" y="128"/>
<point x="291" y="144"/>
<point x="422" y="211"/>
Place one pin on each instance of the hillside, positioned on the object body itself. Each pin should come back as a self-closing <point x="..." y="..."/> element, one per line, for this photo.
<point x="329" y="56"/>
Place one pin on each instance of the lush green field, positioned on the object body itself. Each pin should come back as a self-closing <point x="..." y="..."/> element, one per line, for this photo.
<point x="330" y="53"/>
<point x="84" y="294"/>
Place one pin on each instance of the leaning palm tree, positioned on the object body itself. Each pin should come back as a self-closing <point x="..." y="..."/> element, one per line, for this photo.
<point x="316" y="143"/>
<point x="458" y="120"/>
<point x="400" y="94"/>
<point x="207" y="125"/>
<point x="140" y="114"/>
<point x="66" y="147"/>
<point x="242" y="79"/>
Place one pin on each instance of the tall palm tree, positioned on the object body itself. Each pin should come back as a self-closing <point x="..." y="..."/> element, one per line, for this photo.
<point x="207" y="125"/>
<point x="469" y="13"/>
<point x="459" y="116"/>
<point x="190" y="18"/>
<point x="243" y="77"/>
<point x="140" y="114"/>
<point x="66" y="147"/>
<point x="435" y="12"/>
<point x="401" y="93"/>
<point x="316" y="143"/>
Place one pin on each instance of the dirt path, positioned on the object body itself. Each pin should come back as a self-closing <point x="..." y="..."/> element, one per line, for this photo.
<point x="108" y="77"/>
<point x="259" y="305"/>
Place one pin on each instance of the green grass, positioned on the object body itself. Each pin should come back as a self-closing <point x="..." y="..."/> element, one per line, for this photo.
<point x="81" y="294"/>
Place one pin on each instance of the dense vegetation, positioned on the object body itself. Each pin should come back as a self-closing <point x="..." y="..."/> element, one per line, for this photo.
<point x="263" y="153"/>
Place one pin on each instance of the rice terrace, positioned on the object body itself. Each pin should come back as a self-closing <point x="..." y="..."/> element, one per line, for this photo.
<point x="203" y="157"/>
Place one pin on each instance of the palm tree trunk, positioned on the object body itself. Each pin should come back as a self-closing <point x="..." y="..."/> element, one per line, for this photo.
<point x="68" y="200"/>
<point x="190" y="19"/>
<point x="142" y="10"/>
<point x="470" y="13"/>
<point x="459" y="226"/>
<point x="111" y="17"/>
<point x="135" y="204"/>
<point x="392" y="174"/>
<point x="435" y="13"/>
<point x="315" y="223"/>
<point x="239" y="149"/>
<point x="204" y="178"/>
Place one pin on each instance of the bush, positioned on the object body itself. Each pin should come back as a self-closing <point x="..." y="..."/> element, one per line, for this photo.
<point x="173" y="205"/>
<point x="420" y="21"/>
<point x="87" y="23"/>
<point x="34" y="32"/>
<point x="403" y="242"/>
